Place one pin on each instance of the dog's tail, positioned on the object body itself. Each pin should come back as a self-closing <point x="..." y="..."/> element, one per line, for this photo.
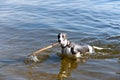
<point x="99" y="48"/>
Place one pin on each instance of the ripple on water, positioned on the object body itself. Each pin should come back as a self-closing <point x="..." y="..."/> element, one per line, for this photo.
<point x="26" y="26"/>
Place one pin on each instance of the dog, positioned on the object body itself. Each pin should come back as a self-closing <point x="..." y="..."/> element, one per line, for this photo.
<point x="76" y="50"/>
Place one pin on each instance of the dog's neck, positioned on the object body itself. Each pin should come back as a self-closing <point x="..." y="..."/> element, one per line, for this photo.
<point x="65" y="43"/>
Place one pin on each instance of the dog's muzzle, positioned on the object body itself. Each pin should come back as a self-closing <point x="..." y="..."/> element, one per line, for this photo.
<point x="59" y="41"/>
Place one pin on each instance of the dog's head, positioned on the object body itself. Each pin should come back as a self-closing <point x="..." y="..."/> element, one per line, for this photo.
<point x="62" y="39"/>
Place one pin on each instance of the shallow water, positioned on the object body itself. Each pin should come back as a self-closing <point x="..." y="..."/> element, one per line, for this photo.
<point x="27" y="25"/>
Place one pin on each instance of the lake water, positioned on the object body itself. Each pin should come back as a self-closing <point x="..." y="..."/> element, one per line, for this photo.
<point x="27" y="25"/>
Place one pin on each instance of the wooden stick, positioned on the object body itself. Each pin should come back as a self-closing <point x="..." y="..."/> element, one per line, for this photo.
<point x="42" y="49"/>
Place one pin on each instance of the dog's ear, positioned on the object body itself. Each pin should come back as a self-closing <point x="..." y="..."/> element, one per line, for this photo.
<point x="58" y="35"/>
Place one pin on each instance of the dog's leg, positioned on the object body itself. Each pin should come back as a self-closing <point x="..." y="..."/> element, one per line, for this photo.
<point x="91" y="50"/>
<point x="78" y="55"/>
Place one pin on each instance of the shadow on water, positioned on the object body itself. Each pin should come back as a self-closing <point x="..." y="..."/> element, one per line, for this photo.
<point x="68" y="64"/>
<point x="63" y="71"/>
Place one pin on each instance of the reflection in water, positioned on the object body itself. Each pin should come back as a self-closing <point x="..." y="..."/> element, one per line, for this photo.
<point x="67" y="65"/>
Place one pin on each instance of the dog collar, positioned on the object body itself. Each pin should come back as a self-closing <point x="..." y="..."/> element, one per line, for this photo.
<point x="68" y="44"/>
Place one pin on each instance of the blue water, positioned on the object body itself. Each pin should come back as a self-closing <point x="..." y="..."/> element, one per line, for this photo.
<point x="27" y="25"/>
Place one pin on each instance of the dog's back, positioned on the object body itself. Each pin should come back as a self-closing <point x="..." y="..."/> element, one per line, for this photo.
<point x="72" y="48"/>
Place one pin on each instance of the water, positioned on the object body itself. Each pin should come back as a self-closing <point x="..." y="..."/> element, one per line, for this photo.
<point x="27" y="25"/>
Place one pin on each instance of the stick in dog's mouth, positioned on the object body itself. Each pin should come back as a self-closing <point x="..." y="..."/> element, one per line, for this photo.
<point x="33" y="56"/>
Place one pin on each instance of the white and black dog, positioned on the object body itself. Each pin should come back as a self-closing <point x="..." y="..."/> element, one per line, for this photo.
<point x="69" y="47"/>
